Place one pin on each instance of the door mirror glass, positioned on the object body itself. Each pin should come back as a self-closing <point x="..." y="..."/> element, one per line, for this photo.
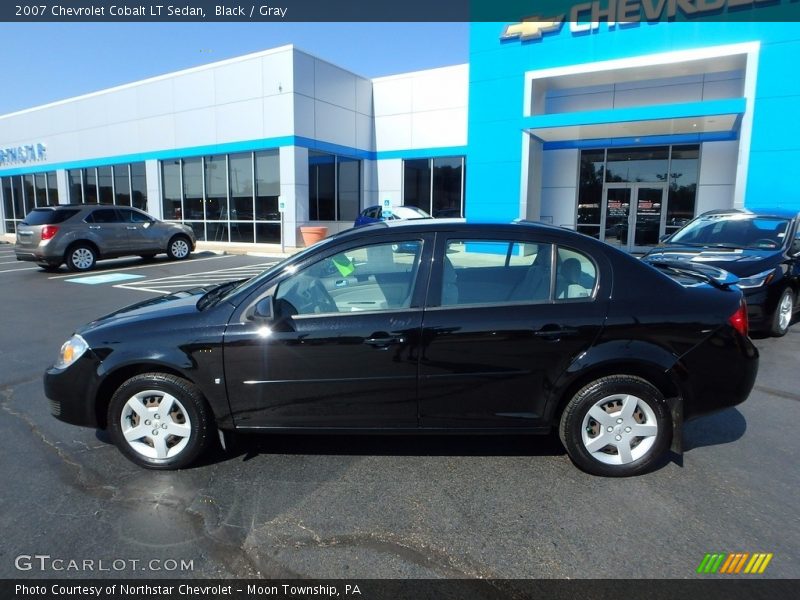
<point x="264" y="309"/>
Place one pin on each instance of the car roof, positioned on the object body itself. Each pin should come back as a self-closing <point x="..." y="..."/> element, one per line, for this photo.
<point x="784" y="213"/>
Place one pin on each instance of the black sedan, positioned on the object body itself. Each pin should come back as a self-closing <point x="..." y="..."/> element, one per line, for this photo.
<point x="761" y="247"/>
<point x="482" y="329"/>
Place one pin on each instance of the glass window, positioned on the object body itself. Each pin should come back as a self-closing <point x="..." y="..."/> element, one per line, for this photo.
<point x="171" y="186"/>
<point x="447" y="178"/>
<point x="637" y="164"/>
<point x="134" y="216"/>
<point x="734" y="230"/>
<point x="590" y="191"/>
<point x="122" y="185"/>
<point x="321" y="186"/>
<point x="105" y="184"/>
<point x="216" y="177"/>
<point x="368" y="278"/>
<point x="576" y="275"/>
<point x="75" y="178"/>
<point x="29" y="191"/>
<point x="684" y="168"/>
<point x="90" y="186"/>
<point x="16" y="190"/>
<point x="241" y="175"/>
<point x="52" y="188"/>
<point x="349" y="188"/>
<point x="139" y="186"/>
<point x="268" y="188"/>
<point x="193" y="189"/>
<point x="8" y="204"/>
<point x="268" y="233"/>
<point x="417" y="183"/>
<point x="40" y="180"/>
<point x="104" y="215"/>
<point x="495" y="272"/>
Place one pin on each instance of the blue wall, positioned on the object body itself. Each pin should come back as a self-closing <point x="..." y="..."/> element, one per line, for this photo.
<point x="497" y="71"/>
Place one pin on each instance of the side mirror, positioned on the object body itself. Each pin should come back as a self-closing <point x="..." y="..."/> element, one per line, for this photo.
<point x="264" y="309"/>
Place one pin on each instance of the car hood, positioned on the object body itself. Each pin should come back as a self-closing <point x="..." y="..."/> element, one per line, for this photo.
<point x="169" y="307"/>
<point x="742" y="262"/>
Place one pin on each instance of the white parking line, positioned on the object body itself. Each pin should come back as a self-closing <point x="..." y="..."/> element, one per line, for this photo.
<point x="23" y="269"/>
<point x="159" y="264"/>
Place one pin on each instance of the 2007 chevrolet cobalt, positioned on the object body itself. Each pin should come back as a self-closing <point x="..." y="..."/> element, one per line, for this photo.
<point x="472" y="328"/>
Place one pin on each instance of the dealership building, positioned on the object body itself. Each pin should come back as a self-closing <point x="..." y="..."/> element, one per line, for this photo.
<point x="621" y="131"/>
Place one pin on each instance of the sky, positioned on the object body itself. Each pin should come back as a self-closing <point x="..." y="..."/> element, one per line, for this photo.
<point x="45" y="62"/>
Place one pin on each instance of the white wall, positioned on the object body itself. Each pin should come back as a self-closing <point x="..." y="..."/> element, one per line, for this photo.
<point x="559" y="186"/>
<point x="424" y="109"/>
<point x="717" y="181"/>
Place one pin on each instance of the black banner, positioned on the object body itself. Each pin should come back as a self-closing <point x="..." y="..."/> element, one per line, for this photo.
<point x="370" y="589"/>
<point x="619" y="11"/>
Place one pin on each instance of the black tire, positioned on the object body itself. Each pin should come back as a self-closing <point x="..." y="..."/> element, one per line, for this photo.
<point x="147" y="257"/>
<point x="81" y="257"/>
<point x="184" y="423"/>
<point x="780" y="319"/>
<point x="583" y="435"/>
<point x="179" y="247"/>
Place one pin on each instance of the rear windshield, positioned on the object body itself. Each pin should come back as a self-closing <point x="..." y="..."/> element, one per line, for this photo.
<point x="734" y="230"/>
<point x="46" y="216"/>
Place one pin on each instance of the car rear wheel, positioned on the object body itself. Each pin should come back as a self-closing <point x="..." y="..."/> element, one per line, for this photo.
<point x="48" y="267"/>
<point x="179" y="248"/>
<point x="81" y="257"/>
<point x="159" y="421"/>
<point x="782" y="317"/>
<point x="616" y="426"/>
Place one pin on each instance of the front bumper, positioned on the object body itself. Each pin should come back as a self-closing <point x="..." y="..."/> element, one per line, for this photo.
<point x="72" y="391"/>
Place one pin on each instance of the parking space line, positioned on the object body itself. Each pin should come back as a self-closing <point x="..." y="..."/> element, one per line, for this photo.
<point x="23" y="269"/>
<point x="162" y="285"/>
<point x="160" y="264"/>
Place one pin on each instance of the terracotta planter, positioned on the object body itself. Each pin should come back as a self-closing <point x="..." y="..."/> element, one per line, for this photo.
<point x="313" y="234"/>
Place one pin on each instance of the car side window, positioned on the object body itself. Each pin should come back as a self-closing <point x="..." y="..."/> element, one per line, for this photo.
<point x="368" y="278"/>
<point x="103" y="215"/>
<point x="495" y="272"/>
<point x="576" y="275"/>
<point x="133" y="216"/>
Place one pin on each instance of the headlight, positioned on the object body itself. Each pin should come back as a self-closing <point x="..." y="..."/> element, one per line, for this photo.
<point x="71" y="351"/>
<point x="757" y="280"/>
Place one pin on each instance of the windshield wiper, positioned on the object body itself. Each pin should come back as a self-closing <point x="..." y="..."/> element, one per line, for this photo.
<point x="214" y="294"/>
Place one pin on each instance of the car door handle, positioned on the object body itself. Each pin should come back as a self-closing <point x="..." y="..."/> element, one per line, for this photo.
<point x="554" y="332"/>
<point x="384" y="341"/>
<point x="94" y="226"/>
<point x="134" y="227"/>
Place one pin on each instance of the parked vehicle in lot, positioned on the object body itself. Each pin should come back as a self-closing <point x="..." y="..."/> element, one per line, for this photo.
<point x="517" y="328"/>
<point x="761" y="247"/>
<point x="374" y="214"/>
<point x="81" y="234"/>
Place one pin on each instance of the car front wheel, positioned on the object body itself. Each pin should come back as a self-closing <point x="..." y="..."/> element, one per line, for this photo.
<point x="782" y="317"/>
<point x="179" y="248"/>
<point x="159" y="421"/>
<point x="616" y="426"/>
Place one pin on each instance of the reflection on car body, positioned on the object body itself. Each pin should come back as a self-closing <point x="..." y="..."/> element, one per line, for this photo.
<point x="478" y="328"/>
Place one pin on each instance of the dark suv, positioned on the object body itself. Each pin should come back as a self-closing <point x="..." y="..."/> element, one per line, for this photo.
<point x="760" y="247"/>
<point x="80" y="234"/>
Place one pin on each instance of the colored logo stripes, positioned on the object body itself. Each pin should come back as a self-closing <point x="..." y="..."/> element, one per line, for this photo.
<point x="735" y="562"/>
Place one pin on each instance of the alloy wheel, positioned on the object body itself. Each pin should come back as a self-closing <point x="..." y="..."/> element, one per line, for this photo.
<point x="619" y="429"/>
<point x="155" y="424"/>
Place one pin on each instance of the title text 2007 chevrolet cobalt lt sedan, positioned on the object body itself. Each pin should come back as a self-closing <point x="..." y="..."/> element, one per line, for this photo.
<point x="480" y="329"/>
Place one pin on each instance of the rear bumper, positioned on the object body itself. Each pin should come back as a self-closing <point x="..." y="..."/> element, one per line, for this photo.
<point x="38" y="255"/>
<point x="718" y="373"/>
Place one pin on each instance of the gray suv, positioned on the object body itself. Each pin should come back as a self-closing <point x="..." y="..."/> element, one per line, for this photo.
<point x="80" y="234"/>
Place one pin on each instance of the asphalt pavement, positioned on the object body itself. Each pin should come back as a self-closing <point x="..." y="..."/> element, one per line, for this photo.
<point x="368" y="506"/>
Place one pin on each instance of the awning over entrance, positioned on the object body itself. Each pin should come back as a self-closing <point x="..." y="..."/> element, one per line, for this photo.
<point x="699" y="121"/>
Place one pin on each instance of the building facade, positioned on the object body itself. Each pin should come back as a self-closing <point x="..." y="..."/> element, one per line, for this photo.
<point x="623" y="132"/>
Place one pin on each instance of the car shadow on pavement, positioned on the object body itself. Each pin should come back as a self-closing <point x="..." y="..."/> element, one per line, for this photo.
<point x="720" y="428"/>
<point x="249" y="446"/>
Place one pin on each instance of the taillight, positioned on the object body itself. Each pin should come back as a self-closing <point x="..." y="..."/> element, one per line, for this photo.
<point x="739" y="318"/>
<point x="49" y="231"/>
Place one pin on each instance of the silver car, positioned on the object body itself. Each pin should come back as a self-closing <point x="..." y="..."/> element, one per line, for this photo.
<point x="81" y="234"/>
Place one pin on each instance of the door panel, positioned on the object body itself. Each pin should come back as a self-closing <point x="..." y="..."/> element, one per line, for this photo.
<point x="342" y="348"/>
<point x="108" y="230"/>
<point x="491" y="365"/>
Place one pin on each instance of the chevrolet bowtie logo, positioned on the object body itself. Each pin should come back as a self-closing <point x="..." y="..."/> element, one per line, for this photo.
<point x="532" y="28"/>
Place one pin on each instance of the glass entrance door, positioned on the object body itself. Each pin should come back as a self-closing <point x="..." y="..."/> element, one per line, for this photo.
<point x="633" y="214"/>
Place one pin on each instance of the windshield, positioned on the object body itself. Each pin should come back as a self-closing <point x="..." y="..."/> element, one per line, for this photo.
<point x="734" y="231"/>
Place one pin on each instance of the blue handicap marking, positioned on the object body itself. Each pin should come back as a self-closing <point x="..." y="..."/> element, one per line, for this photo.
<point x="105" y="278"/>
